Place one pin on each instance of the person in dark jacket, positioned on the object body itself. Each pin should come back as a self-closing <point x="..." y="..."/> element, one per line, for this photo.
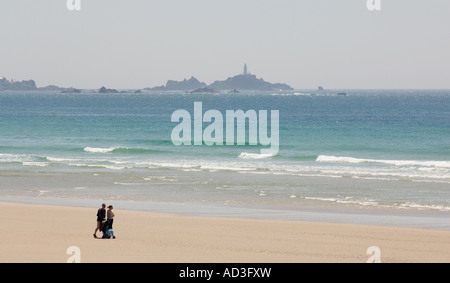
<point x="101" y="216"/>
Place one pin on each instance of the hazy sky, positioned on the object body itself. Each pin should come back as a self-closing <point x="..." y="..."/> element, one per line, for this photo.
<point x="305" y="43"/>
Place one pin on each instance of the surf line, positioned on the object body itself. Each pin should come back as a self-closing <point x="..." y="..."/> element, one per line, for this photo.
<point x="235" y="129"/>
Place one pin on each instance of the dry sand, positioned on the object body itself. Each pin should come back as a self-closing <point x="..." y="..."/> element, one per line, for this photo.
<point x="37" y="233"/>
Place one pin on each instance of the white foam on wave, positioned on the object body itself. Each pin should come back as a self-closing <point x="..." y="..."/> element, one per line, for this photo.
<point x="7" y="155"/>
<point x="353" y="160"/>
<point x="246" y="155"/>
<point x="100" y="166"/>
<point x="348" y="201"/>
<point x="161" y="179"/>
<point x="411" y="205"/>
<point x="99" y="150"/>
<point x="393" y="174"/>
<point x="36" y="164"/>
<point x="56" y="159"/>
<point x="8" y="158"/>
<point x="321" y="199"/>
<point x="128" y="184"/>
<point x="374" y="203"/>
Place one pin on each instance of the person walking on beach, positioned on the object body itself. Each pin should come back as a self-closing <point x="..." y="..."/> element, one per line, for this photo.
<point x="110" y="216"/>
<point x="101" y="216"/>
<point x="110" y="219"/>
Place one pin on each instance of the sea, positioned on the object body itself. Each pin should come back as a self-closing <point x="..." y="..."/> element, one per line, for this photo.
<point x="379" y="157"/>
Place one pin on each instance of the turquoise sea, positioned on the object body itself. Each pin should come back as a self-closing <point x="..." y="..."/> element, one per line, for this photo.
<point x="373" y="156"/>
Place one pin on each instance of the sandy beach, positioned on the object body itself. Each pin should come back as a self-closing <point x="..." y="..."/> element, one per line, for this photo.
<point x="41" y="233"/>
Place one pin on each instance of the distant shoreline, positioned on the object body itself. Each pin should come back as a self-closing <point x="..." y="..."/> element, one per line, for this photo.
<point x="230" y="91"/>
<point x="245" y="81"/>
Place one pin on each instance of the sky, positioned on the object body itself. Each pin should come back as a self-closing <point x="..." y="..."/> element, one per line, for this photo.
<point x="133" y="44"/>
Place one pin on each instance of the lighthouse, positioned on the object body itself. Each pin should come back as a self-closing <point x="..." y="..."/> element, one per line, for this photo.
<point x="245" y="70"/>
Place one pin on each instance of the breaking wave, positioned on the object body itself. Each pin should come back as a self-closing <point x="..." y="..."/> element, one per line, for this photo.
<point x="122" y="150"/>
<point x="246" y="155"/>
<point x="352" y="160"/>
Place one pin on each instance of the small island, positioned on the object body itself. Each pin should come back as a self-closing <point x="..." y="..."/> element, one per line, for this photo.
<point x="6" y="85"/>
<point x="185" y="85"/>
<point x="242" y="82"/>
<point x="204" y="90"/>
<point x="247" y="81"/>
<point x="106" y="90"/>
<point x="30" y="85"/>
<point x="71" y="90"/>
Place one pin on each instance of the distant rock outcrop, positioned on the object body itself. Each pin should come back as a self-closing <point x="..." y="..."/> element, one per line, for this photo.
<point x="107" y="90"/>
<point x="204" y="90"/>
<point x="248" y="82"/>
<point x="13" y="85"/>
<point x="71" y="90"/>
<point x="185" y="85"/>
<point x="59" y="89"/>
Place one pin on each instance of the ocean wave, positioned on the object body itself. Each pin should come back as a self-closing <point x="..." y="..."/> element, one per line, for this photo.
<point x="411" y="205"/>
<point x="59" y="160"/>
<point x="99" y="150"/>
<point x="128" y="184"/>
<point x="375" y="203"/>
<point x="98" y="166"/>
<point x="252" y="163"/>
<point x="161" y="178"/>
<point x="36" y="164"/>
<point x="246" y="155"/>
<point x="400" y="163"/>
<point x="123" y="150"/>
<point x="12" y="158"/>
<point x="304" y="157"/>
